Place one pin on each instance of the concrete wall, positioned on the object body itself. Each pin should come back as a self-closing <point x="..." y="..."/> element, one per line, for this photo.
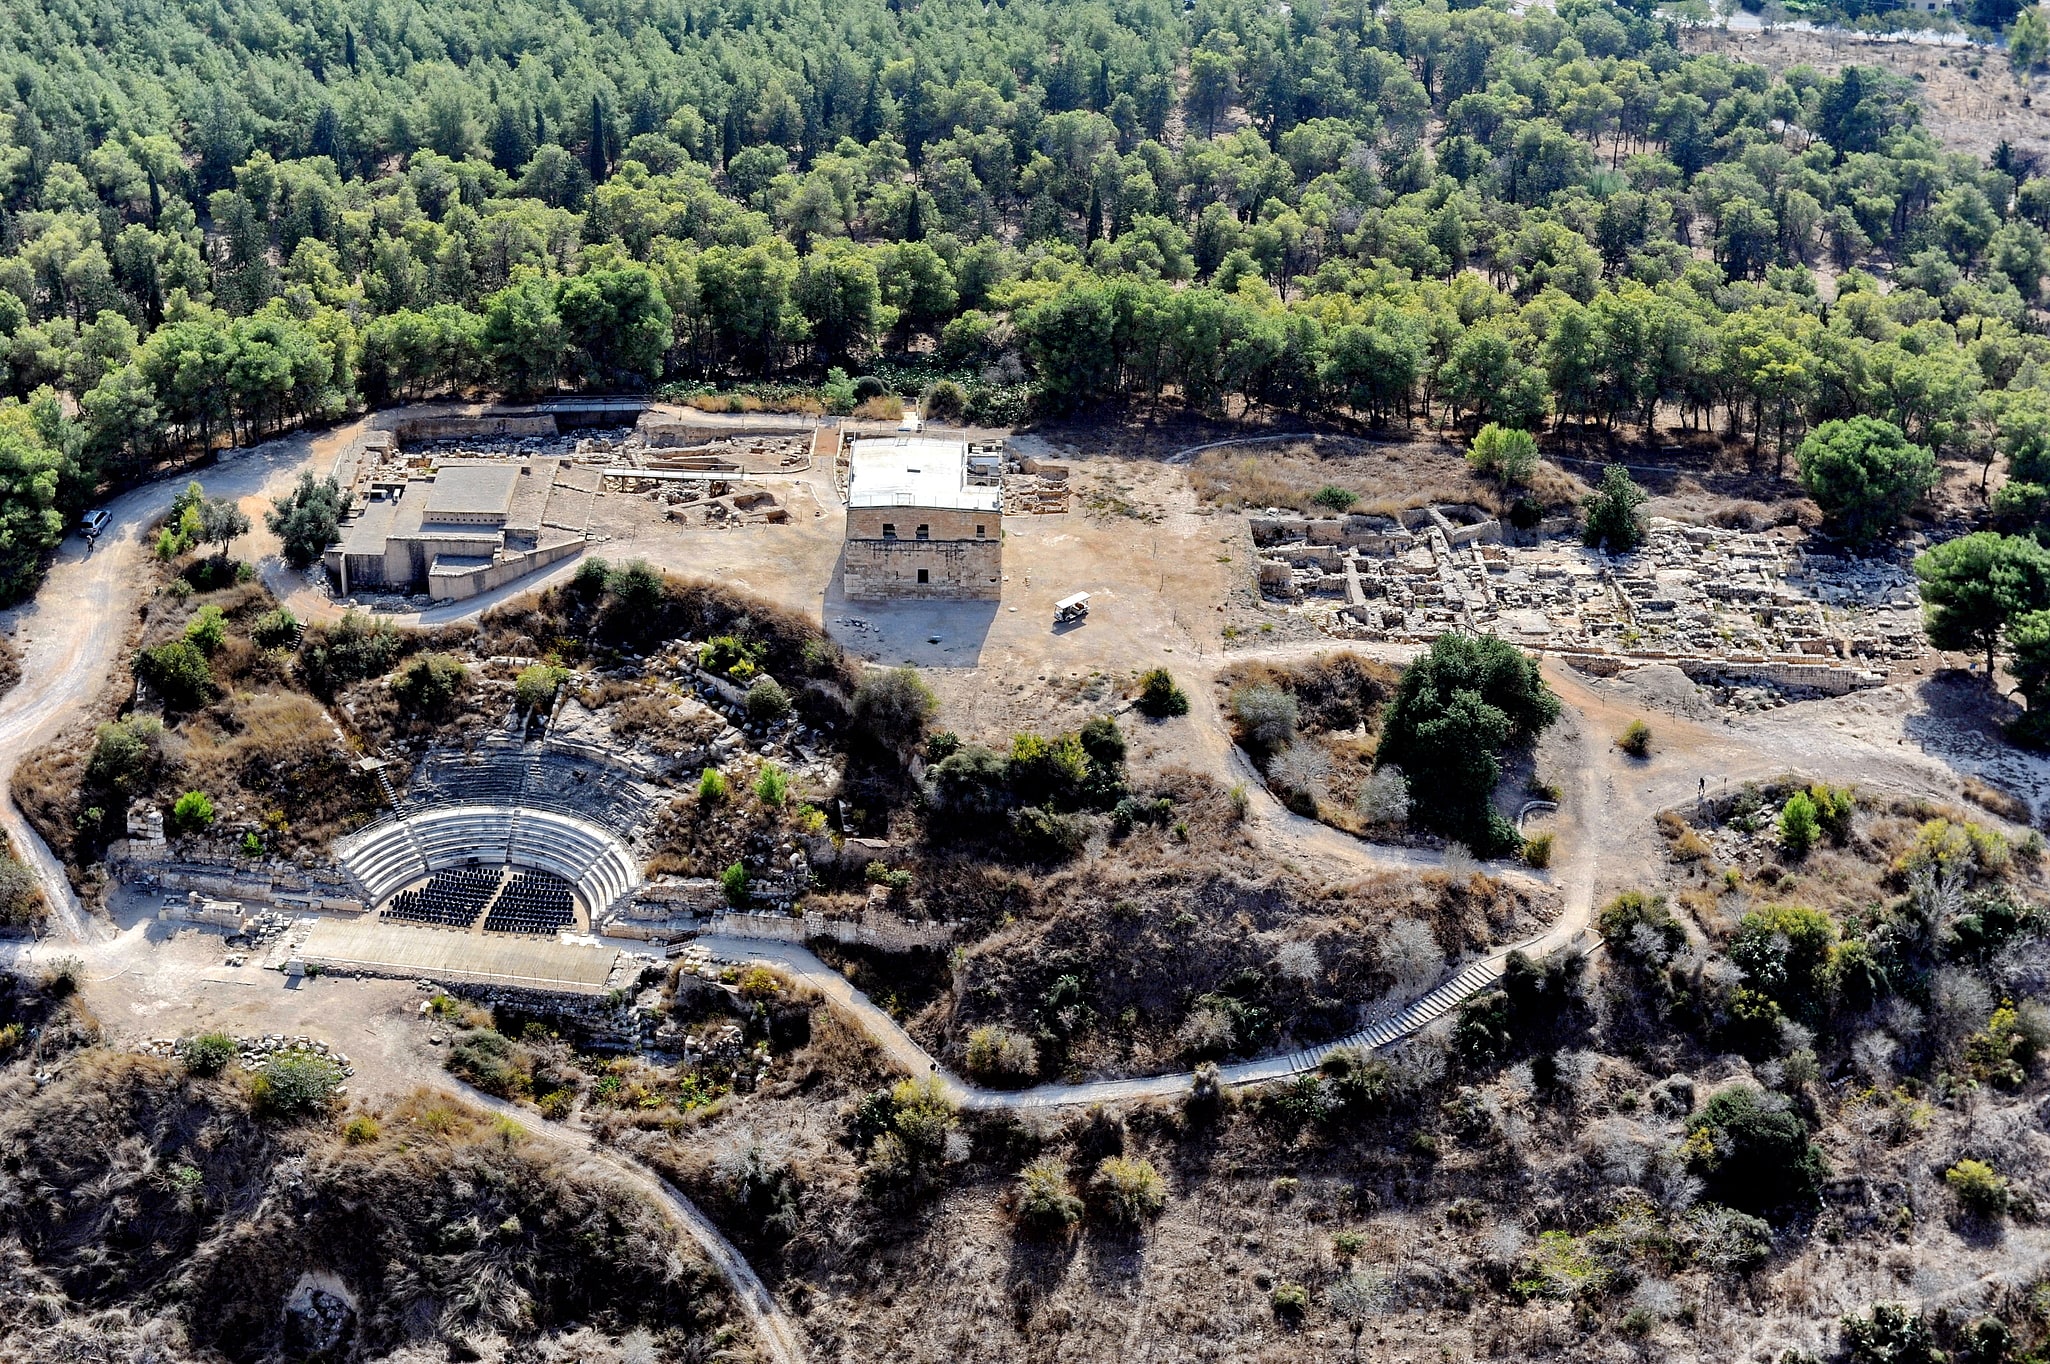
<point x="955" y="570"/>
<point x="407" y="560"/>
<point x="878" y="930"/>
<point x="484" y="578"/>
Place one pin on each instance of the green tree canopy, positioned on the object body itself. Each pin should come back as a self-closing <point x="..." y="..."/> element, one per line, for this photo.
<point x="1865" y="475"/>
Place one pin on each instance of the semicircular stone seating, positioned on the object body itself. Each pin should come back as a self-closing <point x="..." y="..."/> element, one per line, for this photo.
<point x="393" y="853"/>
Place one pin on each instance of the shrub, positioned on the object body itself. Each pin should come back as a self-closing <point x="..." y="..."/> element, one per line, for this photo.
<point x="207" y="630"/>
<point x="1290" y="1301"/>
<point x="1978" y="1187"/>
<point x="1159" y="697"/>
<point x="536" y="685"/>
<point x="1893" y="1334"/>
<point x="1834" y="807"/>
<point x="1000" y="1054"/>
<point x="278" y="629"/>
<point x="733" y="884"/>
<point x="352" y="649"/>
<point x="772" y="785"/>
<point x="178" y="673"/>
<point x="1635" y="739"/>
<point x="767" y="702"/>
<point x="1799" y="825"/>
<point x="945" y="402"/>
<point x="1045" y="1202"/>
<point x="209" y="1053"/>
<point x="1048" y="834"/>
<point x="974" y="780"/>
<point x="1752" y="1151"/>
<point x="1384" y="797"/>
<point x="712" y="786"/>
<point x="730" y="656"/>
<point x="1128" y="1192"/>
<point x="893" y="708"/>
<point x="1103" y="741"/>
<point x="361" y="1130"/>
<point x="1509" y="454"/>
<point x="1612" y="512"/>
<point x="1265" y="717"/>
<point x="1641" y="928"/>
<point x="1335" y="498"/>
<point x="192" y="813"/>
<point x="759" y="984"/>
<point x="428" y="685"/>
<point x="296" y="1084"/>
<point x="1537" y="851"/>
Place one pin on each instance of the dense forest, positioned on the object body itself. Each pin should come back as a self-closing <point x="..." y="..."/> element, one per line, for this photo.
<point x="219" y="219"/>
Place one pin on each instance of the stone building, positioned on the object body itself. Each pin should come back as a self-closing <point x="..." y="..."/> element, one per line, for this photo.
<point x="924" y="520"/>
<point x="466" y="527"/>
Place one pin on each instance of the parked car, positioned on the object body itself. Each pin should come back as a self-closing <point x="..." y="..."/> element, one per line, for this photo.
<point x="95" y="522"/>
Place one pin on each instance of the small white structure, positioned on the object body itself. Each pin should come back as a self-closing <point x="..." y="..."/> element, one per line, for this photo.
<point x="1071" y="608"/>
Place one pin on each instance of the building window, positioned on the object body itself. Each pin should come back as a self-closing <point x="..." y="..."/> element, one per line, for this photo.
<point x="925" y="532"/>
<point x="978" y="532"/>
<point x="924" y="575"/>
<point x="889" y="531"/>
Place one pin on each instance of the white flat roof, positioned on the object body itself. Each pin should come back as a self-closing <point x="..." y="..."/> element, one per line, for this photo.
<point x="914" y="471"/>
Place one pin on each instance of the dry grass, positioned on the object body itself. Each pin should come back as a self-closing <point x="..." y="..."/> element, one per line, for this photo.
<point x="1385" y="477"/>
<point x="1988" y="797"/>
<point x="10" y="664"/>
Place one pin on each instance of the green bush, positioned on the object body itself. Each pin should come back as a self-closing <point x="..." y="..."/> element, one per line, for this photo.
<point x="733" y="884"/>
<point x="278" y="629"/>
<point x="712" y="787"/>
<point x="210" y="1053"/>
<point x="1128" y="1193"/>
<point x="1290" y="1301"/>
<point x="1159" y="697"/>
<point x="1001" y="1055"/>
<point x="178" y="673"/>
<point x="207" y="630"/>
<point x="297" y="1084"/>
<point x="767" y="702"/>
<point x="429" y="684"/>
<point x="1893" y="1334"/>
<point x="772" y="785"/>
<point x="1045" y="1202"/>
<point x="945" y="402"/>
<point x="1978" y="1187"/>
<point x="1504" y="451"/>
<point x="536" y="685"/>
<point x="308" y="519"/>
<point x="730" y="656"/>
<point x="1752" y="1152"/>
<point x="893" y="708"/>
<point x="1537" y="851"/>
<point x="1635" y="739"/>
<point x="1047" y="834"/>
<point x="192" y="813"/>
<point x="1335" y="498"/>
<point x="1800" y="824"/>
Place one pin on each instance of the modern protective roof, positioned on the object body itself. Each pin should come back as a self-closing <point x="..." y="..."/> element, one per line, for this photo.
<point x="915" y="471"/>
<point x="483" y="488"/>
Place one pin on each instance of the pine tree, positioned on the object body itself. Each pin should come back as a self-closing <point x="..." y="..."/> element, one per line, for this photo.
<point x="1095" y="229"/>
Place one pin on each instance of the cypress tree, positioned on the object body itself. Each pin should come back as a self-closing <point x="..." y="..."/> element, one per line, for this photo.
<point x="596" y="156"/>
